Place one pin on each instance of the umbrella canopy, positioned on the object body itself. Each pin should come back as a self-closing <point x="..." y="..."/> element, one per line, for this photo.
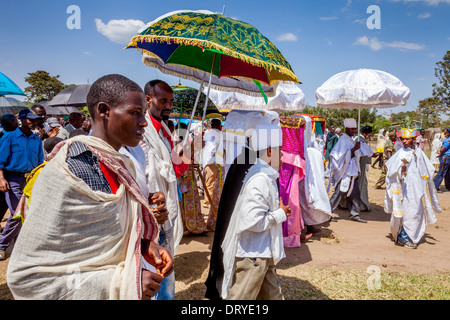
<point x="199" y="76"/>
<point x="11" y="106"/>
<point x="214" y="44"/>
<point x="58" y="111"/>
<point x="363" y="88"/>
<point x="288" y="97"/>
<point x="183" y="104"/>
<point x="8" y="87"/>
<point x="74" y="96"/>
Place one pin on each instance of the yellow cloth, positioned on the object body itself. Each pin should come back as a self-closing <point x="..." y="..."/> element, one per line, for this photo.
<point x="24" y="202"/>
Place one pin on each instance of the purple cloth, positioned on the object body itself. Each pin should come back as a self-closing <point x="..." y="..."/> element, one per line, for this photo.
<point x="13" y="226"/>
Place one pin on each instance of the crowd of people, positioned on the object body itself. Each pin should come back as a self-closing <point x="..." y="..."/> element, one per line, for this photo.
<point x="99" y="206"/>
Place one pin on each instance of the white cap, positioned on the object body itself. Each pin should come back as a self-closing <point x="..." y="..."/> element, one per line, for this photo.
<point x="266" y="135"/>
<point x="350" y="123"/>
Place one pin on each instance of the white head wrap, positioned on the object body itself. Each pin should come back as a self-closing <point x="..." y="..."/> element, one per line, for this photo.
<point x="266" y="135"/>
<point x="350" y="123"/>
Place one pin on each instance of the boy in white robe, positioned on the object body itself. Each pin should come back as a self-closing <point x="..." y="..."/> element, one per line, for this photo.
<point x="409" y="175"/>
<point x="253" y="243"/>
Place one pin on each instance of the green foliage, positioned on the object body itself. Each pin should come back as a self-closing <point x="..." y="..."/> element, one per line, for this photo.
<point x="335" y="117"/>
<point x="43" y="86"/>
<point x="429" y="110"/>
<point x="441" y="90"/>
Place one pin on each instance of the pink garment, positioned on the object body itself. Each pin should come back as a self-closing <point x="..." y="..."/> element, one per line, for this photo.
<point x="291" y="173"/>
<point x="293" y="141"/>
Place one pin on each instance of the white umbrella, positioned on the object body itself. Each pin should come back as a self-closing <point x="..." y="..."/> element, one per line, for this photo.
<point x="362" y="88"/>
<point x="288" y="97"/>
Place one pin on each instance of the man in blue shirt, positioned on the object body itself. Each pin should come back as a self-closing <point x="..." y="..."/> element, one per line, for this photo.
<point x="444" y="159"/>
<point x="9" y="123"/>
<point x="20" y="152"/>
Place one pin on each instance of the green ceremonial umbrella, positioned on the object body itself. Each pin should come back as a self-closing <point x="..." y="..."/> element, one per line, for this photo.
<point x="183" y="42"/>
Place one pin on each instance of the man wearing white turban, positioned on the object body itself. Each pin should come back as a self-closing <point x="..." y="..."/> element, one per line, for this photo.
<point x="253" y="243"/>
<point x="344" y="170"/>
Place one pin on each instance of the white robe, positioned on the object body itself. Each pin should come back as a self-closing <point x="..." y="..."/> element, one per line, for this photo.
<point x="212" y="139"/>
<point x="435" y="148"/>
<point x="343" y="167"/>
<point x="317" y="208"/>
<point x="82" y="244"/>
<point x="406" y="195"/>
<point x="257" y="204"/>
<point x="161" y="178"/>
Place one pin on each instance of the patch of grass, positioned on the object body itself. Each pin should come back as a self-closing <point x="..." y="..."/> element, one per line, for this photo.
<point x="350" y="284"/>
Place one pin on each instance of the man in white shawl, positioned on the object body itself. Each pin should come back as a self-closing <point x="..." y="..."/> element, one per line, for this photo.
<point x="163" y="168"/>
<point x="409" y="181"/>
<point x="435" y="150"/>
<point x="89" y="226"/>
<point x="344" y="170"/>
<point x="253" y="243"/>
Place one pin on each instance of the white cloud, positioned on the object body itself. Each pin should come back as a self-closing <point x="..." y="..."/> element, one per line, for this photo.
<point x="404" y="45"/>
<point x="328" y="18"/>
<point x="425" y="15"/>
<point x="287" y="37"/>
<point x="361" y="21"/>
<point x="428" y="2"/>
<point x="119" y="31"/>
<point x="374" y="44"/>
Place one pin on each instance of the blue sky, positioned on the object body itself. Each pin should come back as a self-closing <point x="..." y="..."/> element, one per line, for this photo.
<point x="319" y="38"/>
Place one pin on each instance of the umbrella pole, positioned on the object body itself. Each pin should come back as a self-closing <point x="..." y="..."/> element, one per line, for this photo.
<point x="359" y="122"/>
<point x="195" y="106"/>
<point x="209" y="88"/>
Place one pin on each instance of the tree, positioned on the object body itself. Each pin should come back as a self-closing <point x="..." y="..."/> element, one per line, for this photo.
<point x="429" y="110"/>
<point x="441" y="90"/>
<point x="335" y="117"/>
<point x="43" y="86"/>
<point x="404" y="119"/>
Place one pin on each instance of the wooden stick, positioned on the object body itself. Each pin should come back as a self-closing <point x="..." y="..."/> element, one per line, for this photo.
<point x="206" y="191"/>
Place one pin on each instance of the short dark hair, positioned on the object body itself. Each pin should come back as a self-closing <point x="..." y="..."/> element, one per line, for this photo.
<point x="37" y="106"/>
<point x="51" y="142"/>
<point x="6" y="119"/>
<point x="149" y="86"/>
<point x="110" y="89"/>
<point x="77" y="132"/>
<point x="216" y="123"/>
<point x="73" y="116"/>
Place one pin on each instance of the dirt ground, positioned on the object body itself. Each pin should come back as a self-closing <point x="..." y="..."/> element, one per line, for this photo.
<point x="345" y="244"/>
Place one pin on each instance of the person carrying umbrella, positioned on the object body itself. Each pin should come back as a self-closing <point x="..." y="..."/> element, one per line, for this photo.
<point x="344" y="170"/>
